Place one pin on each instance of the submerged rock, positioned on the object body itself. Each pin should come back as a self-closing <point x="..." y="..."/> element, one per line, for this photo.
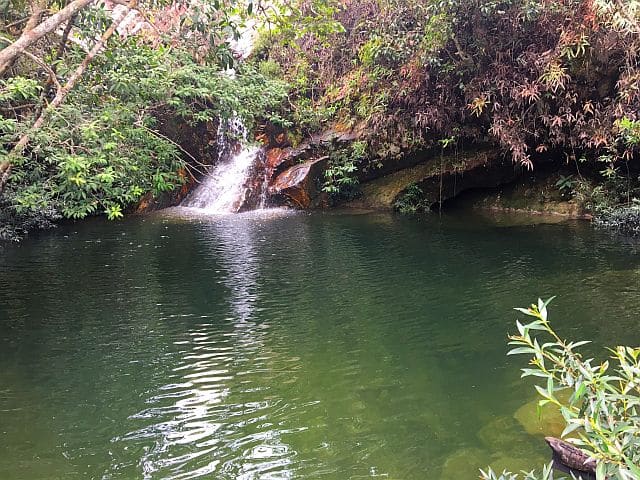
<point x="465" y="463"/>
<point x="504" y="434"/>
<point x="549" y="423"/>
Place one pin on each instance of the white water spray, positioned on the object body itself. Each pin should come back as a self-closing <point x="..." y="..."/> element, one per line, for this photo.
<point x="225" y="189"/>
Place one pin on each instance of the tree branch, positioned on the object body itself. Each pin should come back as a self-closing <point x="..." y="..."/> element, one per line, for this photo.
<point x="41" y="63"/>
<point x="37" y="9"/>
<point x="28" y="37"/>
<point x="61" y="95"/>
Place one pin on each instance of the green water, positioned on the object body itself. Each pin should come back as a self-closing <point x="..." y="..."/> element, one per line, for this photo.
<point x="288" y="346"/>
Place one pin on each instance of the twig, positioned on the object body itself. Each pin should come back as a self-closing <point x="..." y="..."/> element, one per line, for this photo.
<point x="40" y="62"/>
<point x="16" y="23"/>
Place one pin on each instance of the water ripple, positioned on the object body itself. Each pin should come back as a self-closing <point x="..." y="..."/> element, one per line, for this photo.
<point x="281" y="345"/>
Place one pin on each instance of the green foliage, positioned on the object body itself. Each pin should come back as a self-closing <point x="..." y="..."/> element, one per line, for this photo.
<point x="437" y="32"/>
<point x="111" y="157"/>
<point x="369" y="52"/>
<point x="629" y="131"/>
<point x="602" y="412"/>
<point x="307" y="117"/>
<point x="269" y="69"/>
<point x="19" y="89"/>
<point x="566" y="184"/>
<point x="298" y="19"/>
<point x="341" y="179"/>
<point x="412" y="200"/>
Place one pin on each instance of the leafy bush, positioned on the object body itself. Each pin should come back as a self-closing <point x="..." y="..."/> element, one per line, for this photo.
<point x="534" y="77"/>
<point x="412" y="200"/>
<point x="341" y="179"/>
<point x="603" y="409"/>
<point x="625" y="220"/>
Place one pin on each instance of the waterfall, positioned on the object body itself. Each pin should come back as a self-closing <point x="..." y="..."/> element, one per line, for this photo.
<point x="228" y="188"/>
<point x="238" y="179"/>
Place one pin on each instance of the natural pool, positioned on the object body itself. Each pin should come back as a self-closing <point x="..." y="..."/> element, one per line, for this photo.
<point x="279" y="345"/>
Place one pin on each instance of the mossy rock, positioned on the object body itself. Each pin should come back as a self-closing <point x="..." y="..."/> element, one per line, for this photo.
<point x="549" y="423"/>
<point x="465" y="463"/>
<point x="504" y="434"/>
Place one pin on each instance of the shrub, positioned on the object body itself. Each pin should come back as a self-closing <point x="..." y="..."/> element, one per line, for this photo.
<point x="603" y="409"/>
<point x="341" y="180"/>
<point x="625" y="220"/>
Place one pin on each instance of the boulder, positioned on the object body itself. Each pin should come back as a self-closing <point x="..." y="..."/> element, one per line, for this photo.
<point x="279" y="159"/>
<point x="280" y="156"/>
<point x="550" y="422"/>
<point x="504" y="434"/>
<point x="300" y="184"/>
<point x="439" y="178"/>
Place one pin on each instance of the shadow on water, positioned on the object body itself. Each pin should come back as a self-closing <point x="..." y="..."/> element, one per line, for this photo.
<point x="280" y="345"/>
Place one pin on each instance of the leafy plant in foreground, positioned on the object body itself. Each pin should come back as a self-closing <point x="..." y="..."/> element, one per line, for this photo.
<point x="604" y="407"/>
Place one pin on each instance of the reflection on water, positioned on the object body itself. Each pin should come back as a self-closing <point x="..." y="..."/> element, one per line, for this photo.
<point x="189" y="422"/>
<point x="276" y="345"/>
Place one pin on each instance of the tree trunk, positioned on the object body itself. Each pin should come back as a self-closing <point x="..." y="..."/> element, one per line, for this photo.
<point x="5" y="167"/>
<point x="28" y="37"/>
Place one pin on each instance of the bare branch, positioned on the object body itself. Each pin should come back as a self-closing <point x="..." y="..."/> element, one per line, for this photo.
<point x="28" y="37"/>
<point x="62" y="93"/>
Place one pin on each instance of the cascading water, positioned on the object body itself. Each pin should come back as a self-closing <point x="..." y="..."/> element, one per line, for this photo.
<point x="226" y="188"/>
<point x="231" y="185"/>
<point x="238" y="181"/>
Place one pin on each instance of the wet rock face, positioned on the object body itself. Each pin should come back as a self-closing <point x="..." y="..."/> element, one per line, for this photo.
<point x="198" y="142"/>
<point x="277" y="160"/>
<point x="199" y="146"/>
<point x="256" y="184"/>
<point x="439" y="178"/>
<point x="295" y="174"/>
<point x="299" y="185"/>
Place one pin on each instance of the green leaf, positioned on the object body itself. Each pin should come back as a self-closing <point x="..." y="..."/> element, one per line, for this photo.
<point x="520" y="350"/>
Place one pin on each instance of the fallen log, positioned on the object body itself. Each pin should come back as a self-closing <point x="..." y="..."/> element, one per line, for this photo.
<point x="570" y="459"/>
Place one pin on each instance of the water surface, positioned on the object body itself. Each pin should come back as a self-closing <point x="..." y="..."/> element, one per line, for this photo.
<point x="288" y="346"/>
